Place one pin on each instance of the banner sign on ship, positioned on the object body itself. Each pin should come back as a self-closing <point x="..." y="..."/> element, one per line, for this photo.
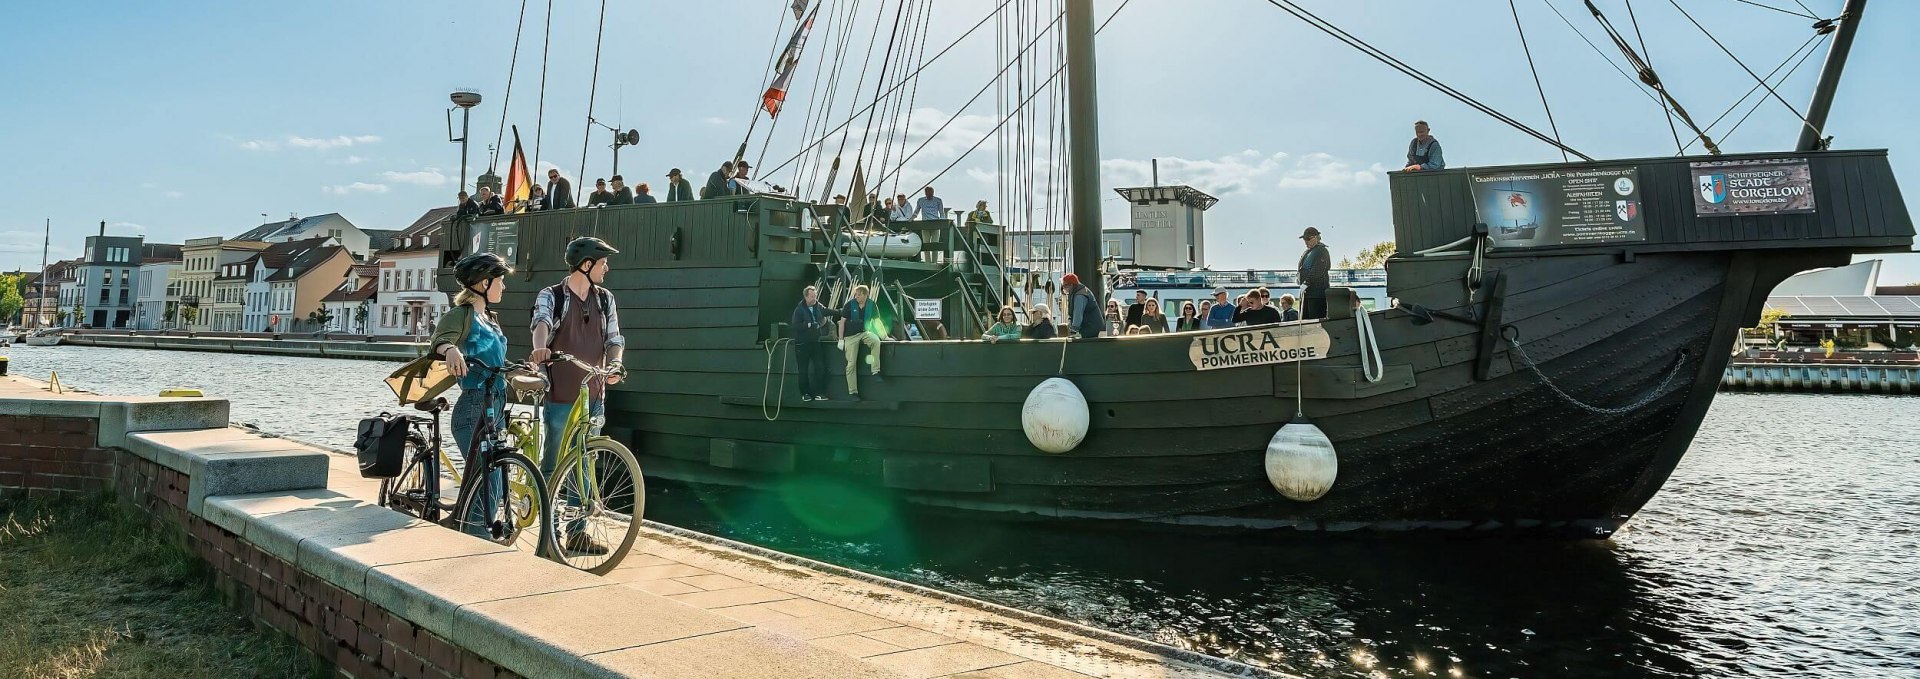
<point x="1539" y="208"/>
<point x="1777" y="186"/>
<point x="1260" y="346"/>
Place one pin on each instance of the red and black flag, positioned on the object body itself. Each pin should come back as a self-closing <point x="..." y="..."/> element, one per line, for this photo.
<point x="788" y="63"/>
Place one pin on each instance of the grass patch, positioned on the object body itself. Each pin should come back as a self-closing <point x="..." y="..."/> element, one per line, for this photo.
<point x="89" y="590"/>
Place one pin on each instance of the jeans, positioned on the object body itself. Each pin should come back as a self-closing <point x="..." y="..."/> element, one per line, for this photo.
<point x="553" y="424"/>
<point x="465" y="419"/>
<point x="812" y="356"/>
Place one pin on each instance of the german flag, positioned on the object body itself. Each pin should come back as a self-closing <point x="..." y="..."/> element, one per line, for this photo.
<point x="519" y="181"/>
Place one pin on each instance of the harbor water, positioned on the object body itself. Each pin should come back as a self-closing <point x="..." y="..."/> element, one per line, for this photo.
<point x="1786" y="544"/>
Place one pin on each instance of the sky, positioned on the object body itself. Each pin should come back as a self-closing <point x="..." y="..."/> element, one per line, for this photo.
<point x="189" y="119"/>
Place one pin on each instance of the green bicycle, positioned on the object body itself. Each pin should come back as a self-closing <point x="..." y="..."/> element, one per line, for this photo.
<point x="596" y="489"/>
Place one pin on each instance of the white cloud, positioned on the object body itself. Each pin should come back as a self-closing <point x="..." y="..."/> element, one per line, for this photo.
<point x="324" y="143"/>
<point x="427" y="177"/>
<point x="128" y="228"/>
<point x="356" y="187"/>
<point x="174" y="194"/>
<point x="1245" y="172"/>
<point x="258" y="145"/>
<point x="714" y="120"/>
<point x="29" y="242"/>
<point x="352" y="160"/>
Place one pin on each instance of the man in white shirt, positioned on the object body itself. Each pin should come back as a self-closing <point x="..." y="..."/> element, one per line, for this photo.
<point x="902" y="210"/>
<point x="931" y="207"/>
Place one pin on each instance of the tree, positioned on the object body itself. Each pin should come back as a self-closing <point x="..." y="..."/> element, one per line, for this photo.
<point x="320" y="318"/>
<point x="79" y="314"/>
<point x="189" y="314"/>
<point x="1370" y="257"/>
<point x="10" y="301"/>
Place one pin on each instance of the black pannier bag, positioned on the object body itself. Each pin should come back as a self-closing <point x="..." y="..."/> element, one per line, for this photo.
<point x="381" y="445"/>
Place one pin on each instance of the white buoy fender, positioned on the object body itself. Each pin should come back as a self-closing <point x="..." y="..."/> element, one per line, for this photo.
<point x="1300" y="462"/>
<point x="1055" y="416"/>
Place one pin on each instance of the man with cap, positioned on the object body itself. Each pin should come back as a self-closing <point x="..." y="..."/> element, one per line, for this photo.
<point x="600" y="196"/>
<point x="577" y="317"/>
<point x="1083" y="311"/>
<point x="677" y="187"/>
<point x="622" y="194"/>
<point x="739" y="181"/>
<point x="559" y="192"/>
<point x="1220" y="315"/>
<point x="1314" y="265"/>
<point x="1423" y="153"/>
<point x="717" y="182"/>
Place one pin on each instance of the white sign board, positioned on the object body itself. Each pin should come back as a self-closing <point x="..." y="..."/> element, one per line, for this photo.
<point x="1260" y="346"/>
<point x="927" y="309"/>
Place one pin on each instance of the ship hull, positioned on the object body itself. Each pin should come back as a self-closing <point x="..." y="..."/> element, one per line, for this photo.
<point x="1555" y="397"/>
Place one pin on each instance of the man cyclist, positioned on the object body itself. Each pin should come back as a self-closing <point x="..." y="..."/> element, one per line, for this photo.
<point x="577" y="317"/>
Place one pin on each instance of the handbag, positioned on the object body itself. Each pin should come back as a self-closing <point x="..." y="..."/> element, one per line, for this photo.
<point x="381" y="445"/>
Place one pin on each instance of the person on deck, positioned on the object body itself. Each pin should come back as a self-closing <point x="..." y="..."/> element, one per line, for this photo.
<point x="1138" y="309"/>
<point x="469" y="330"/>
<point x="1153" y="319"/>
<point x="1288" y="314"/>
<point x="468" y="209"/>
<point x="678" y="189"/>
<point x="1115" y="321"/>
<point x="600" y="196"/>
<point x="809" y="323"/>
<point x="1423" y="153"/>
<point x="902" y="211"/>
<point x="622" y="195"/>
<point x="930" y="206"/>
<point x="643" y="194"/>
<point x="1041" y="325"/>
<point x="717" y="183"/>
<point x="1188" y="319"/>
<point x="536" y="200"/>
<point x="1083" y="312"/>
<point x="854" y="333"/>
<point x="1314" y="265"/>
<point x="578" y="317"/>
<point x="1253" y="309"/>
<point x="489" y="204"/>
<point x="559" y="192"/>
<point x="740" y="168"/>
<point x="980" y="215"/>
<point x="1221" y="314"/>
<point x="1005" y="327"/>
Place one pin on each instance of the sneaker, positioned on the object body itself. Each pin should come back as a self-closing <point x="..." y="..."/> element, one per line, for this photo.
<point x="853" y="395"/>
<point x="877" y="378"/>
<point x="582" y="543"/>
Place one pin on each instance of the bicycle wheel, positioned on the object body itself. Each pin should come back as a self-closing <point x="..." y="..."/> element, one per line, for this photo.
<point x="490" y="508"/>
<point x="598" y="501"/>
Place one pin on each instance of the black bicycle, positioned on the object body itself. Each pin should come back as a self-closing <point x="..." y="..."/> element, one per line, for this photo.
<point x="502" y="495"/>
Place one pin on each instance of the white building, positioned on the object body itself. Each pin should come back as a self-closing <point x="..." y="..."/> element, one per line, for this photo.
<point x="409" y="300"/>
<point x="330" y="225"/>
<point x="157" y="302"/>
<point x="273" y="293"/>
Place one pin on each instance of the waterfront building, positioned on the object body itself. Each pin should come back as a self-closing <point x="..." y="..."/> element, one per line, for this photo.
<point x="350" y="306"/>
<point x="409" y="299"/>
<point x="286" y="282"/>
<point x="201" y="261"/>
<point x="1845" y="305"/>
<point x="65" y="290"/>
<point x="330" y="225"/>
<point x="226" y="314"/>
<point x="157" y="295"/>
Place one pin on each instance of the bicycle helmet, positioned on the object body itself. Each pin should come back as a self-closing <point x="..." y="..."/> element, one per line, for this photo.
<point x="472" y="270"/>
<point x="587" y="247"/>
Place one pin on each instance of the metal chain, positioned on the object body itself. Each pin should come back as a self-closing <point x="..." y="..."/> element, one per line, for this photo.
<point x="1636" y="405"/>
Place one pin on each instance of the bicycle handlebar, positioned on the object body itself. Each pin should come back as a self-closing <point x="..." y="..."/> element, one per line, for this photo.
<point x="592" y="370"/>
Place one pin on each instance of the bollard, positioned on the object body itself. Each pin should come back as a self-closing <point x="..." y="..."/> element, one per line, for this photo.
<point x="3" y="366"/>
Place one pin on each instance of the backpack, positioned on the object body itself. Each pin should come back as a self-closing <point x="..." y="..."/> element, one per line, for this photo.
<point x="561" y="295"/>
<point x="381" y="445"/>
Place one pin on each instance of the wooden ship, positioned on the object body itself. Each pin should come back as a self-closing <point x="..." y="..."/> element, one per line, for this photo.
<point x="1549" y="388"/>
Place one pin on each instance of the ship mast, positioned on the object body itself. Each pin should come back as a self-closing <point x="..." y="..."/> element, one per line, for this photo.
<point x="1083" y="152"/>
<point x="1811" y="138"/>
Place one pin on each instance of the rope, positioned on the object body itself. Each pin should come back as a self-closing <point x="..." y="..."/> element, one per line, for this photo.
<point x="856" y="114"/>
<point x="1648" y="76"/>
<point x="1062" y="370"/>
<point x="1642" y="37"/>
<point x="1802" y="53"/>
<point x="540" y="110"/>
<point x="1536" y="75"/>
<point x="593" y="90"/>
<point x="1776" y="9"/>
<point x="766" y="78"/>
<point x="1380" y="55"/>
<point x="512" y="65"/>
<point x="886" y="63"/>
<point x="779" y="402"/>
<point x="1375" y="368"/>
<point x="1513" y="340"/>
<point x="1603" y="56"/>
<point x="1299" y="389"/>
<point x="1743" y="66"/>
<point x="1758" y="102"/>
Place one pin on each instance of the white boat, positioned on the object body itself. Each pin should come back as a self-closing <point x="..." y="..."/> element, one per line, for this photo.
<point x="44" y="338"/>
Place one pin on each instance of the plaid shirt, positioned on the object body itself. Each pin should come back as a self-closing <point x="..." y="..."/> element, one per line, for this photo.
<point x="543" y="315"/>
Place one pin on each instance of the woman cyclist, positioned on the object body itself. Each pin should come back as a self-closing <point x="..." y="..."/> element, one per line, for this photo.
<point x="468" y="330"/>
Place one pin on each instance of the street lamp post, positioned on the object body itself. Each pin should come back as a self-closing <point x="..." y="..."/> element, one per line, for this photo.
<point x="465" y="100"/>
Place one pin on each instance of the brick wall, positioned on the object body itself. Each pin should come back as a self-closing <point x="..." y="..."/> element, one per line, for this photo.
<point x="60" y="455"/>
<point x="51" y="455"/>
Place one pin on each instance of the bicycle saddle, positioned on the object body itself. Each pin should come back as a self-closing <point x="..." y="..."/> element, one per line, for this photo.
<point x="436" y="405"/>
